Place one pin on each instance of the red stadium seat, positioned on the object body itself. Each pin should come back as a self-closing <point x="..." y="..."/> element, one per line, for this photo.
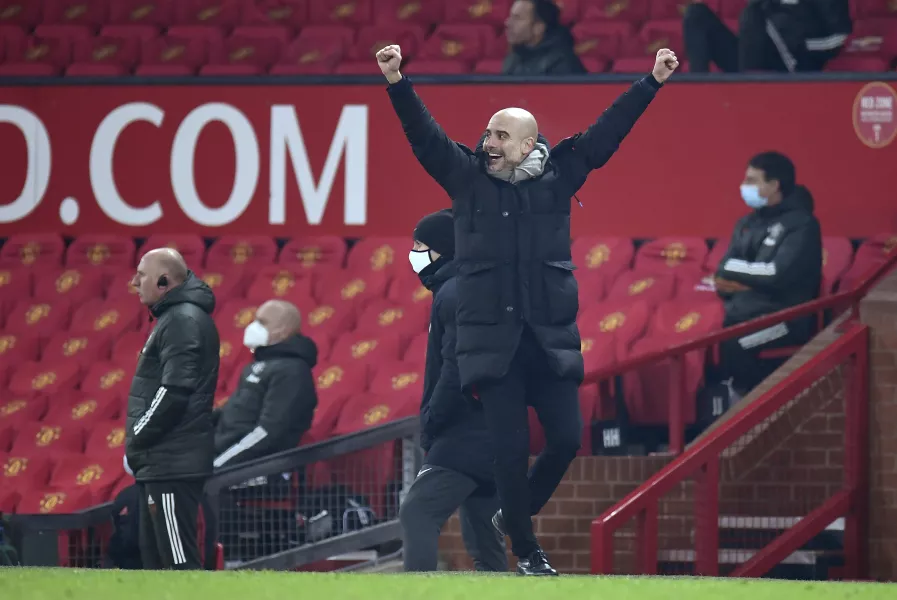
<point x="625" y="320"/>
<point x="46" y="378"/>
<point x="406" y="289"/>
<point x="399" y="378"/>
<point x="438" y="67"/>
<point x="592" y="286"/>
<point x="120" y="288"/>
<point x="97" y="69"/>
<point x="417" y="349"/>
<point x="8" y="498"/>
<point x="317" y="50"/>
<point x="255" y="54"/>
<point x="385" y="317"/>
<point x="81" y="349"/>
<point x="98" y="475"/>
<point x="23" y="13"/>
<point x="340" y="379"/>
<point x="40" y="249"/>
<point x="732" y="9"/>
<point x="228" y="283"/>
<point x="141" y="33"/>
<point x="635" y="65"/>
<point x="289" y="14"/>
<point x="492" y="13"/>
<point x="652" y="289"/>
<point x="39" y="318"/>
<point x="378" y="254"/>
<point x="16" y="284"/>
<point x="75" y="284"/>
<point x="675" y="9"/>
<point x="191" y="246"/>
<point x="633" y="11"/>
<point x="862" y="9"/>
<point x="489" y="66"/>
<point x="24" y="408"/>
<point x="12" y="39"/>
<point x="90" y="13"/>
<point x="855" y="64"/>
<point x="837" y="255"/>
<point x="172" y="55"/>
<point x="106" y="439"/>
<point x="235" y="315"/>
<point x="373" y="38"/>
<point x="282" y="283"/>
<point x="458" y="43"/>
<point x="570" y="10"/>
<point x="110" y="317"/>
<point x="409" y="12"/>
<point x="871" y="254"/>
<point x="233" y="250"/>
<point x="876" y="37"/>
<point x="598" y="352"/>
<point x="218" y="13"/>
<point x="107" y="51"/>
<point x="687" y="319"/>
<point x="50" y="502"/>
<point x="611" y="255"/>
<point x="232" y="356"/>
<point x="68" y="33"/>
<point x="327" y="322"/>
<point x="311" y="252"/>
<point x="157" y="14"/>
<point x="127" y="348"/>
<point x="18" y="348"/>
<point x="39" y="56"/>
<point x="653" y="36"/>
<point x="48" y="439"/>
<point x="24" y="473"/>
<point x="85" y="410"/>
<point x="672" y="255"/>
<point x="601" y="39"/>
<point x="278" y="34"/>
<point x="353" y="349"/>
<point x="356" y="67"/>
<point x="340" y="12"/>
<point x="355" y="289"/>
<point x="107" y="378"/>
<point x="497" y="47"/>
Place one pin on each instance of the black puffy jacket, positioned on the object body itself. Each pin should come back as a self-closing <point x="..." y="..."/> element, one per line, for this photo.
<point x="453" y="424"/>
<point x="554" y="55"/>
<point x="512" y="241"/>
<point x="169" y="431"/>
<point x="806" y="31"/>
<point x="777" y="252"/>
<point x="273" y="405"/>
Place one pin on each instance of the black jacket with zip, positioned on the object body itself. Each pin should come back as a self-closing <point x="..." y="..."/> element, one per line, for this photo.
<point x="809" y="31"/>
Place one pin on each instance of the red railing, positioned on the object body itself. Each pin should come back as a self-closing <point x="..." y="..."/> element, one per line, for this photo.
<point x="848" y="355"/>
<point x="676" y="354"/>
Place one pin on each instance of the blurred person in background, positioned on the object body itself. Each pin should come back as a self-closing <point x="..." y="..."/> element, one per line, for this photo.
<point x="169" y="436"/>
<point x="773" y="35"/>
<point x="774" y="262"/>
<point x="275" y="400"/>
<point x="540" y="45"/>
<point x="457" y="470"/>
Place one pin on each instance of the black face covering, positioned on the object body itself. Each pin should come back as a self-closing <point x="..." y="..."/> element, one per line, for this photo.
<point x="427" y="272"/>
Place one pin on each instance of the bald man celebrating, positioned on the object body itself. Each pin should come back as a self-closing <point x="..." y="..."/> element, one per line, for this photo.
<point x="517" y="341"/>
<point x="275" y="400"/>
<point x="169" y="440"/>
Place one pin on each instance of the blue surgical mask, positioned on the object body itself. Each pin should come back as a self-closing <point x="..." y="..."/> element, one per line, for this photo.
<point x="751" y="196"/>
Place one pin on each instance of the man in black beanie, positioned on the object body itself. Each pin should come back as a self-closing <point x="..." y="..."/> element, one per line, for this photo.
<point x="457" y="470"/>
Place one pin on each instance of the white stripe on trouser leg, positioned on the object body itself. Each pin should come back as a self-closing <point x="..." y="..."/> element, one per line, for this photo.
<point x="171" y="524"/>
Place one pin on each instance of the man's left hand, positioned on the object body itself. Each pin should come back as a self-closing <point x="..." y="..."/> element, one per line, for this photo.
<point x="664" y="65"/>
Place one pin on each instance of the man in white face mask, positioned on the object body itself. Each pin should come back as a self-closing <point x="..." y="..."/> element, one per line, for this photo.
<point x="275" y="400"/>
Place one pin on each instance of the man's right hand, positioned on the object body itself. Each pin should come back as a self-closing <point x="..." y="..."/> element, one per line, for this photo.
<point x="390" y="59"/>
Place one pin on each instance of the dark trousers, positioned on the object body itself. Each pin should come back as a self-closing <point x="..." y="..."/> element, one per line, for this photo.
<point x="169" y="513"/>
<point x="740" y="358"/>
<point x="530" y="381"/>
<point x="431" y="500"/>
<point x="707" y="39"/>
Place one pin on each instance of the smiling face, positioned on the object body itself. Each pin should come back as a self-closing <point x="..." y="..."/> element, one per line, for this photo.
<point x="510" y="137"/>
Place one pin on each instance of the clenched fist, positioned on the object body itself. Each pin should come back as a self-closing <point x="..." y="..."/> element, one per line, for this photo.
<point x="664" y="65"/>
<point x="390" y="59"/>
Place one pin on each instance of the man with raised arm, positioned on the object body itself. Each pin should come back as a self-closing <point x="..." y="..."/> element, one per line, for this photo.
<point x="517" y="340"/>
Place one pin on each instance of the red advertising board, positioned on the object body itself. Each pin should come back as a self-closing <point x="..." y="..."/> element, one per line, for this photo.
<point x="292" y="160"/>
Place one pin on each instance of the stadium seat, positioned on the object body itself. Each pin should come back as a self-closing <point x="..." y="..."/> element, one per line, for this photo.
<point x="243" y="56"/>
<point x="732" y="9"/>
<point x="95" y="474"/>
<point x="191" y="246"/>
<point x="75" y="284"/>
<point x="652" y="289"/>
<point x="598" y="352"/>
<point x="438" y="67"/>
<point x="592" y="286"/>
<point x="282" y="283"/>
<point x="346" y="287"/>
<point x="16" y="284"/>
<point x="464" y="44"/>
<point x="16" y="409"/>
<point x="872" y="38"/>
<point x="228" y="283"/>
<point x="857" y="64"/>
<point x="235" y="315"/>
<point x="232" y="356"/>
<point x="837" y="255"/>
<point x="82" y="349"/>
<point x="327" y="322"/>
<point x="336" y="383"/>
<point x="12" y="39"/>
<point x="671" y="255"/>
<point x="96" y="69"/>
<point x="625" y="320"/>
<point x="417" y="349"/>
<point x="40" y="249"/>
<point x="489" y="66"/>
<point x="241" y="251"/>
<point x="686" y="319"/>
<point x="675" y="9"/>
<point x="340" y="12"/>
<point x="373" y="38"/>
<point x="379" y="254"/>
<point x="497" y="47"/>
<point x="106" y="438"/>
<point x="399" y="378"/>
<point x="492" y="13"/>
<point x="389" y="12"/>
<point x="119" y="286"/>
<point x="169" y="55"/>
<point x="23" y="13"/>
<point x="406" y="289"/>
<point x="89" y="13"/>
<point x="67" y="33"/>
<point x="353" y="349"/>
<point x="313" y="251"/>
<point x="50" y="502"/>
<point x="110" y="317"/>
<point x="317" y="50"/>
<point x="225" y="14"/>
<point x="85" y="410"/>
<point x="127" y="347"/>
<point x="601" y="39"/>
<point x="48" y="439"/>
<point x="653" y="36"/>
<point x="871" y="254"/>
<point x="38" y="318"/>
<point x="632" y="11"/>
<point x="278" y="34"/>
<point x="16" y="348"/>
<point x="157" y="14"/>
<point x="46" y="378"/>
<point x="385" y="317"/>
<point x="140" y="33"/>
<point x="8" y="497"/>
<point x="612" y="255"/>
<point x="107" y="377"/>
<point x="289" y="14"/>
<point x="24" y="473"/>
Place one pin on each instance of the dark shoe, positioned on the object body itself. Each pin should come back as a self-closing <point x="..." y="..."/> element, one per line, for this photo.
<point x="535" y="564"/>
<point x="498" y="521"/>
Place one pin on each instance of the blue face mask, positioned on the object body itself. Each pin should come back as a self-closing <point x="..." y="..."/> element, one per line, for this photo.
<point x="751" y="196"/>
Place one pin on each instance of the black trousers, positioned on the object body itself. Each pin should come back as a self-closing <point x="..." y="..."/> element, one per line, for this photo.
<point x="707" y="39"/>
<point x="740" y="358"/>
<point x="169" y="513"/>
<point x="530" y="382"/>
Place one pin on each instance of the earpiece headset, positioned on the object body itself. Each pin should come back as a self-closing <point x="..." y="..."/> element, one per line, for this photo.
<point x="163" y="281"/>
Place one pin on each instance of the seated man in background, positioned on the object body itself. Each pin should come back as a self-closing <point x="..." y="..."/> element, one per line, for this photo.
<point x="540" y="45"/>
<point x="275" y="401"/>
<point x="774" y="262"/>
<point x="773" y="35"/>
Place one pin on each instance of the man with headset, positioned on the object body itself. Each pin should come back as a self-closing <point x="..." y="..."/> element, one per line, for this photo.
<point x="170" y="438"/>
